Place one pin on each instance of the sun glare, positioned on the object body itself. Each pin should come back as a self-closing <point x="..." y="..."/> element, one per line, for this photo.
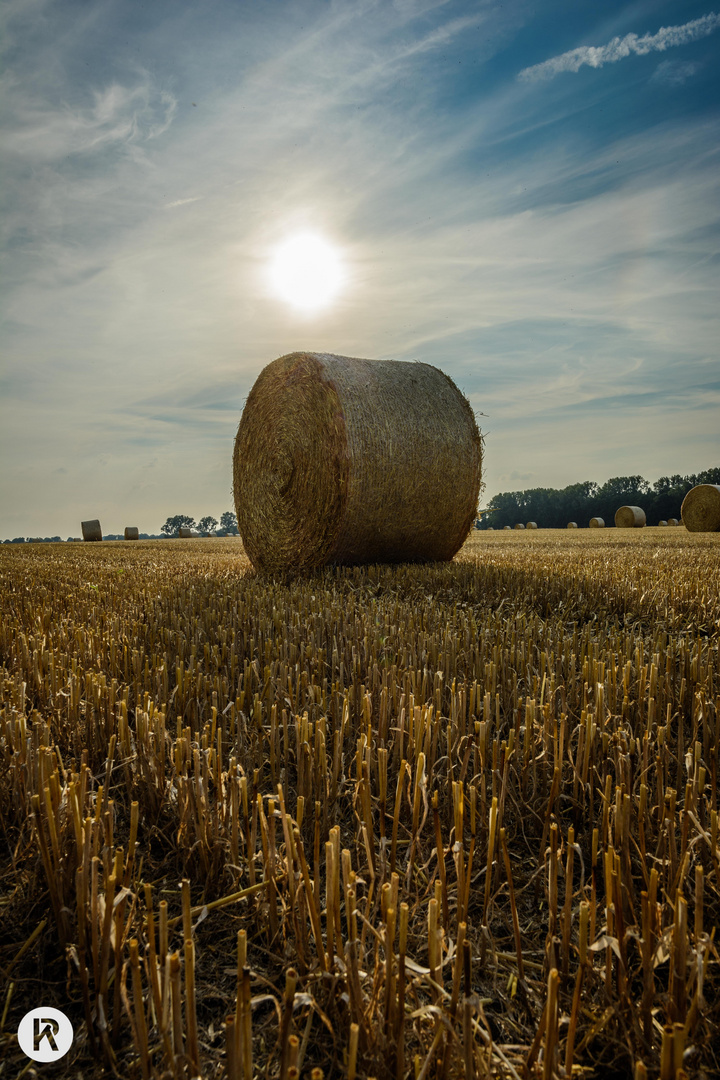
<point x="306" y="272"/>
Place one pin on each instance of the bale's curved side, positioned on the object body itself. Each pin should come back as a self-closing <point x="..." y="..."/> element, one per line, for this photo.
<point x="531" y="525"/>
<point x="597" y="523"/>
<point x="572" y="525"/>
<point x="700" y="510"/>
<point x="343" y="460"/>
<point x="91" y="530"/>
<point x="132" y="532"/>
<point x="630" y="517"/>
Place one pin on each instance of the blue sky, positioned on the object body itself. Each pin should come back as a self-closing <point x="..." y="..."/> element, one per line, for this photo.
<point x="524" y="194"/>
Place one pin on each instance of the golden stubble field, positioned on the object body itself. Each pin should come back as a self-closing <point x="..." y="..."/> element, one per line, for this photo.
<point x="415" y="821"/>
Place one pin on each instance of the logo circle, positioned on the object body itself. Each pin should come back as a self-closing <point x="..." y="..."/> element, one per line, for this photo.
<point x="45" y="1034"/>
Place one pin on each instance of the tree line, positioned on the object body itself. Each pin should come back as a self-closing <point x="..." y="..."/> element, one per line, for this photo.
<point x="206" y="526"/>
<point x="553" y="508"/>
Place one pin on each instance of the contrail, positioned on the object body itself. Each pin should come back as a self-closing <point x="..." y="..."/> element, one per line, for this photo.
<point x="617" y="49"/>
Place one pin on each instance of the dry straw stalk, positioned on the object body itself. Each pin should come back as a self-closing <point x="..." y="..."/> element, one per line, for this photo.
<point x="344" y="461"/>
<point x="466" y="836"/>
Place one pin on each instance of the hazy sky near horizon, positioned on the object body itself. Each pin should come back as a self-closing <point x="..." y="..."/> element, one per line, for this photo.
<point x="524" y="194"/>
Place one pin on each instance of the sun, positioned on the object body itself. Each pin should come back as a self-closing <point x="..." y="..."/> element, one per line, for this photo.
<point x="306" y="271"/>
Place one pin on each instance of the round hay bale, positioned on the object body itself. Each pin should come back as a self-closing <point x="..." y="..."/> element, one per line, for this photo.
<point x="344" y="461"/>
<point x="572" y="525"/>
<point x="672" y="521"/>
<point x="597" y="523"/>
<point x="91" y="530"/>
<point x="630" y="517"/>
<point x="662" y="522"/>
<point x="700" y="510"/>
<point x="531" y="525"/>
<point x="131" y="532"/>
<point x="519" y="526"/>
<point x="184" y="532"/>
<point x="507" y="528"/>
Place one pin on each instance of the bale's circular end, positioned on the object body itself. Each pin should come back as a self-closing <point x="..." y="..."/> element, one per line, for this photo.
<point x="630" y="517"/>
<point x="597" y="523"/>
<point x="341" y="460"/>
<point x="91" y="530"/>
<point x="131" y="532"/>
<point x="700" y="510"/>
<point x="572" y="525"/>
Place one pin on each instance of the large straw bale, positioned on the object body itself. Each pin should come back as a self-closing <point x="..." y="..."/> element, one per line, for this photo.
<point x="184" y="532"/>
<point x="630" y="517"/>
<point x="91" y="530"/>
<point x="343" y="461"/>
<point x="572" y="525"/>
<point x="519" y="525"/>
<point x="597" y="523"/>
<point x="131" y="532"/>
<point x="531" y="525"/>
<point x="672" y="521"/>
<point x="700" y="510"/>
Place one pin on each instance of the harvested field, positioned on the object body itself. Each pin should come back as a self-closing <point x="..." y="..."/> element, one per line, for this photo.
<point x="224" y="798"/>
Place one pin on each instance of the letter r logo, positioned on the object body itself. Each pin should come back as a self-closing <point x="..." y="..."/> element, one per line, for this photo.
<point x="45" y="1034"/>
<point x="48" y="1031"/>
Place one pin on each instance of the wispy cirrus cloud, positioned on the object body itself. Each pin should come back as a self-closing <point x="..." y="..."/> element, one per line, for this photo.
<point x="619" y="48"/>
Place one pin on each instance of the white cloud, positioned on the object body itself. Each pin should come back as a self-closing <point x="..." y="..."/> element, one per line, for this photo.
<point x="675" y="72"/>
<point x="618" y="48"/>
<point x="182" y="202"/>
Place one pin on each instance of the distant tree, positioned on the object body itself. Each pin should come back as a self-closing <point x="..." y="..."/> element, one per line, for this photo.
<point x="18" y="540"/>
<point x="228" y="523"/>
<point x="173" y="524"/>
<point x="552" y="508"/>
<point x="207" y="524"/>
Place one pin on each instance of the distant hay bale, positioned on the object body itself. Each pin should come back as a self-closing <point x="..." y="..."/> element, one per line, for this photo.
<point x="131" y="532"/>
<point x="185" y="533"/>
<point x="662" y="522"/>
<point x="507" y="528"/>
<point x="572" y="525"/>
<point x="531" y="525"/>
<point x="630" y="517"/>
<point x="519" y="526"/>
<point x="344" y="461"/>
<point x="597" y="523"/>
<point x="91" y="530"/>
<point x="700" y="510"/>
<point x="672" y="521"/>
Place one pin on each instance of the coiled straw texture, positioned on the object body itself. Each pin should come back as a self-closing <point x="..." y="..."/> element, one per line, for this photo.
<point x="341" y="460"/>
<point x="701" y="508"/>
<point x="630" y="517"/>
